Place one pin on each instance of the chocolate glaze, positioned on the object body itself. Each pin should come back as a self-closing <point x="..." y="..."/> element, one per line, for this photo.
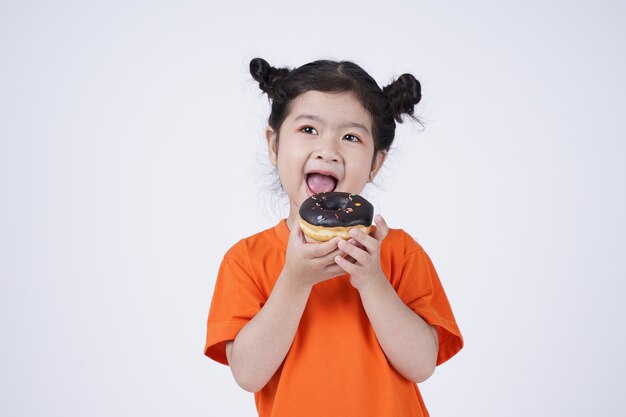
<point x="335" y="209"/>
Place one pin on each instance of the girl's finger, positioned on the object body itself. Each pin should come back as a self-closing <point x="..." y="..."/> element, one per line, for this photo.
<point x="321" y="249"/>
<point x="381" y="228"/>
<point x="369" y="242"/>
<point x="348" y="258"/>
<point x="329" y="259"/>
<point x="357" y="244"/>
<point x="359" y="254"/>
<point x="296" y="236"/>
<point x="345" y="265"/>
<point x="334" y="270"/>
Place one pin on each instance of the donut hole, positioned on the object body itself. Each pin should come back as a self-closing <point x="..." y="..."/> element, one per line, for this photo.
<point x="334" y="204"/>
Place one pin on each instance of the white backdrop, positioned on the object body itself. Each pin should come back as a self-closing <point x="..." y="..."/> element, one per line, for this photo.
<point x="124" y="124"/>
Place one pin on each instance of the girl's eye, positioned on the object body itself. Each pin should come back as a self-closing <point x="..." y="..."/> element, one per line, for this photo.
<point x="351" y="138"/>
<point x="309" y="129"/>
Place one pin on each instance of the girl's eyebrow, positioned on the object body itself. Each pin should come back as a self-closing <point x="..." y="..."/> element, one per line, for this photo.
<point x="343" y="125"/>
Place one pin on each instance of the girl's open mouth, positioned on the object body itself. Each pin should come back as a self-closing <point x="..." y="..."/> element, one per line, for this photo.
<point x="320" y="183"/>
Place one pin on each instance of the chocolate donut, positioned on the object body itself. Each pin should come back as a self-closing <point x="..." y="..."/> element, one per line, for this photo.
<point x="326" y="215"/>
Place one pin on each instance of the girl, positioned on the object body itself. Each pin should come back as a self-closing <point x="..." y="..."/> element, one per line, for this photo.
<point x="340" y="328"/>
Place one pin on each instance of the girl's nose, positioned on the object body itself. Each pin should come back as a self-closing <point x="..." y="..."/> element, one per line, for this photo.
<point x="327" y="151"/>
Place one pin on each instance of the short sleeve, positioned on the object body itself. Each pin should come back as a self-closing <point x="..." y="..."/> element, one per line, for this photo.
<point x="421" y="290"/>
<point x="236" y="299"/>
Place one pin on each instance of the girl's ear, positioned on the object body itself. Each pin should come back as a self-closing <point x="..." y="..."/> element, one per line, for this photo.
<point x="272" y="145"/>
<point x="377" y="163"/>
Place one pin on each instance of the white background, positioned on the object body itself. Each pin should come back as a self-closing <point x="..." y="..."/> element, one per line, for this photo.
<point x="132" y="156"/>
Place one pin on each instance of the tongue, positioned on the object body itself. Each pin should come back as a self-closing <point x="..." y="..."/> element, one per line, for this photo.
<point x="319" y="183"/>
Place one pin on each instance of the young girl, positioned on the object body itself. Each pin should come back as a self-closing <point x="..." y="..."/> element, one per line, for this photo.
<point x="340" y="328"/>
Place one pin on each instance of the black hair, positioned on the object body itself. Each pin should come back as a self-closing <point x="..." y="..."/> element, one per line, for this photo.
<point x="386" y="105"/>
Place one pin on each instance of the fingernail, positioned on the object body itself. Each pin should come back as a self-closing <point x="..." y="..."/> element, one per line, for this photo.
<point x="354" y="232"/>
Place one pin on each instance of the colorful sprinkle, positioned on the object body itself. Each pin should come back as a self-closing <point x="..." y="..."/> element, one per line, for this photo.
<point x="320" y="217"/>
<point x="357" y="204"/>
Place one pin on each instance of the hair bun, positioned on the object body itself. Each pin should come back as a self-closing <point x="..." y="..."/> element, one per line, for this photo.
<point x="267" y="76"/>
<point x="403" y="94"/>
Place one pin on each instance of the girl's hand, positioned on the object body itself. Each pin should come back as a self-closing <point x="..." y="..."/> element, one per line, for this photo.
<point x="307" y="264"/>
<point x="364" y="269"/>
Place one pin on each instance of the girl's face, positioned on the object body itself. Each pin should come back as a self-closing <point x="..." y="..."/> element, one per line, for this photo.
<point x="324" y="144"/>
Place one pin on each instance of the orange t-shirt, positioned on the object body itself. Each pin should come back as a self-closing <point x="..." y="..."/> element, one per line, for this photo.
<point x="335" y="366"/>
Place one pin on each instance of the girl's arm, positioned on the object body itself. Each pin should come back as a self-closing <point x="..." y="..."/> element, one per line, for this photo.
<point x="410" y="344"/>
<point x="262" y="344"/>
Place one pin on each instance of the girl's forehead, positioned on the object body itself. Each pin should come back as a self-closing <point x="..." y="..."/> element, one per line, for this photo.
<point x="327" y="106"/>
